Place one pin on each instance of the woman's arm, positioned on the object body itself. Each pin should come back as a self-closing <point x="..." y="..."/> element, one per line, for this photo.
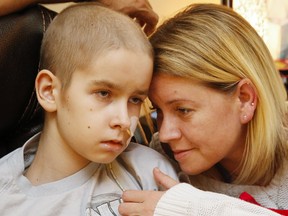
<point x="140" y="10"/>
<point x="10" y="6"/>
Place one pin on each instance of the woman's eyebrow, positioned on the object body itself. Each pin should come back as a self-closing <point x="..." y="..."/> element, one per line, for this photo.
<point x="179" y="100"/>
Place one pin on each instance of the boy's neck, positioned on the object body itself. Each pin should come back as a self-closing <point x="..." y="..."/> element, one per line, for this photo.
<point x="51" y="163"/>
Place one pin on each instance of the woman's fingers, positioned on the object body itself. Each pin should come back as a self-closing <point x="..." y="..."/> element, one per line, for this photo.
<point x="141" y="203"/>
<point x="163" y="180"/>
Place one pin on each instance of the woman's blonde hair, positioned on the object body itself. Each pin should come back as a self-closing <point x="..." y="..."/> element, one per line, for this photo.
<point x="84" y="31"/>
<point x="213" y="44"/>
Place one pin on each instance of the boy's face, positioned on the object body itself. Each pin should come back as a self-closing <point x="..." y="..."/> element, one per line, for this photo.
<point x="102" y="103"/>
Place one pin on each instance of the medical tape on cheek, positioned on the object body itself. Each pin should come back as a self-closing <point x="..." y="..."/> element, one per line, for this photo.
<point x="133" y="126"/>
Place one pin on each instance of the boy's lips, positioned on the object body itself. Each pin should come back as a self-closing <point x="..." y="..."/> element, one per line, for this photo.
<point x="113" y="145"/>
<point x="116" y="141"/>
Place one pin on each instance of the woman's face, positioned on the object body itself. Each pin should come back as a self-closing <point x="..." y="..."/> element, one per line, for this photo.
<point x="202" y="126"/>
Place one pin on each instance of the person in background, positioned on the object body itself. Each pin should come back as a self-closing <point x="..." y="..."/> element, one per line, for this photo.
<point x="96" y="66"/>
<point x="140" y="10"/>
<point x="222" y="113"/>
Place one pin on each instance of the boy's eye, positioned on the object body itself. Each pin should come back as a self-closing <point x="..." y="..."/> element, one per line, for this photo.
<point x="103" y="94"/>
<point x="136" y="100"/>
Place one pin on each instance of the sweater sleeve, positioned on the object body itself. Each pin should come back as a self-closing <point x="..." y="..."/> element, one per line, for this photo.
<point x="186" y="200"/>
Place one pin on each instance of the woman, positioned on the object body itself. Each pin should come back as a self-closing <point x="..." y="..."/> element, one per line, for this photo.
<point x="221" y="108"/>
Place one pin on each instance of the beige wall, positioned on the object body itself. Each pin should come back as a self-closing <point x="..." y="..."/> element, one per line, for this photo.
<point x="164" y="8"/>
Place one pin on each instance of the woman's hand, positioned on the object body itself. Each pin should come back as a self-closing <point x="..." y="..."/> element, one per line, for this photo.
<point x="140" y="10"/>
<point x="144" y="202"/>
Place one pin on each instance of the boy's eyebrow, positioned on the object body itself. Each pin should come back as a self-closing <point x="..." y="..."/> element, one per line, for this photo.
<point x="105" y="83"/>
<point x="115" y="86"/>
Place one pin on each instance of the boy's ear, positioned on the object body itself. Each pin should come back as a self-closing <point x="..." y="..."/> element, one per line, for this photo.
<point x="46" y="85"/>
<point x="248" y="97"/>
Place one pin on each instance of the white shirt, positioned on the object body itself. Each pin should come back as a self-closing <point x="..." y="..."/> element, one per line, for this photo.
<point x="91" y="191"/>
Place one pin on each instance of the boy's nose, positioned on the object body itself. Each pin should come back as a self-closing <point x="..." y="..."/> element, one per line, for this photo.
<point x="121" y="119"/>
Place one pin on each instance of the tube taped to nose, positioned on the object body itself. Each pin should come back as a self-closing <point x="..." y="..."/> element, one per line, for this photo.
<point x="133" y="126"/>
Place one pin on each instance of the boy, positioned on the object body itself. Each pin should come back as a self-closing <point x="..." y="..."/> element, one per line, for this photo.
<point x="96" y="69"/>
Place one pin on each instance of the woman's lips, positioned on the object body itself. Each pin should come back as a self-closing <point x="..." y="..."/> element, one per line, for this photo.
<point x="181" y="155"/>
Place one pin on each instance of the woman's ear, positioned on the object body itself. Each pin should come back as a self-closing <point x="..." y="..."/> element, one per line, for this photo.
<point x="248" y="97"/>
<point x="46" y="84"/>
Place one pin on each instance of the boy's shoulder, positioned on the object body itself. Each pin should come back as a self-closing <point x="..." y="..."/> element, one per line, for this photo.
<point x="145" y="158"/>
<point x="142" y="151"/>
<point x="15" y="162"/>
<point x="140" y="161"/>
<point x="11" y="167"/>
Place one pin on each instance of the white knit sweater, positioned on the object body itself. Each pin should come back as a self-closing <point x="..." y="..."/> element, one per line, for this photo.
<point x="187" y="200"/>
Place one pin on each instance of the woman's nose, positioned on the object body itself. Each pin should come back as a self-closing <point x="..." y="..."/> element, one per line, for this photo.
<point x="168" y="130"/>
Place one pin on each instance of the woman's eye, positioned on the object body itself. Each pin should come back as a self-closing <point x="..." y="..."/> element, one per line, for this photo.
<point x="184" y="110"/>
<point x="136" y="100"/>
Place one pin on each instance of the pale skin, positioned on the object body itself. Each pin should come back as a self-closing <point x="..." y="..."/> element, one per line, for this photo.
<point x="88" y="121"/>
<point x="202" y="127"/>
<point x="140" y="10"/>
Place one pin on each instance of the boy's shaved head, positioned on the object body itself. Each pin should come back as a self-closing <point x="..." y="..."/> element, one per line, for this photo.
<point x="84" y="31"/>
